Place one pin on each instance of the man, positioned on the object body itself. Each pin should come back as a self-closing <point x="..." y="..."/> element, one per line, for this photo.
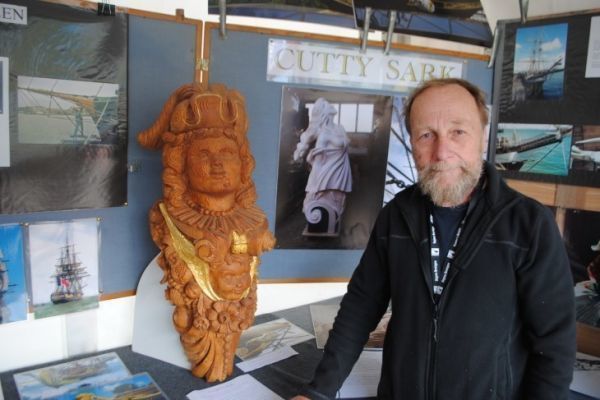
<point x="477" y="275"/>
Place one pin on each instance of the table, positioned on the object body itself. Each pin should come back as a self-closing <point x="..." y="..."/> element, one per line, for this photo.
<point x="284" y="377"/>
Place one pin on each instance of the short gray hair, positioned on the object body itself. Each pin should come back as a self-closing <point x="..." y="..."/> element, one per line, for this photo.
<point x="478" y="96"/>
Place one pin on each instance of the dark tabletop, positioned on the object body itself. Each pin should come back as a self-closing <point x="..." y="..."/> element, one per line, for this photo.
<point x="284" y="377"/>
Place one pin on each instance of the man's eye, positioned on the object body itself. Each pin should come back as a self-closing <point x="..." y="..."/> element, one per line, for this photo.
<point x="425" y="135"/>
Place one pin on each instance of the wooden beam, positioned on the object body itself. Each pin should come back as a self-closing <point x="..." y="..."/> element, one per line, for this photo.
<point x="545" y="193"/>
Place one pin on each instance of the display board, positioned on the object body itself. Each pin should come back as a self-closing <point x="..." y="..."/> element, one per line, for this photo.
<point x="548" y="86"/>
<point x="241" y="61"/>
<point x="67" y="105"/>
<point x="161" y="57"/>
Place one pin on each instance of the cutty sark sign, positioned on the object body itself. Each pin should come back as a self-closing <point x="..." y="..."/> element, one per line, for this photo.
<point x="304" y="62"/>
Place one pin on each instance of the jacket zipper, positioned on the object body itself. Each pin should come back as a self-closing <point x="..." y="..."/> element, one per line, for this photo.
<point x="437" y="307"/>
<point x="431" y="386"/>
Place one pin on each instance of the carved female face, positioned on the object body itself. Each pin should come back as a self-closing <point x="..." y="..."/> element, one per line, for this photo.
<point x="232" y="278"/>
<point x="214" y="166"/>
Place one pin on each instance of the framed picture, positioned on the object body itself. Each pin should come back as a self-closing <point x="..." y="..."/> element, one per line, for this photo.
<point x="58" y="380"/>
<point x="68" y="136"/>
<point x="13" y="289"/>
<point x="332" y="162"/>
<point x="545" y="104"/>
<point x="63" y="258"/>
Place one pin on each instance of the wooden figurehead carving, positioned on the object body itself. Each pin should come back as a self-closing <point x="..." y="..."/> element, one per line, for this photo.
<point x="207" y="226"/>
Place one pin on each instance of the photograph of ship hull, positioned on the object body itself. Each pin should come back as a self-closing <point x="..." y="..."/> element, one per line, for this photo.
<point x="344" y="164"/>
<point x="59" y="111"/>
<point x="64" y="266"/>
<point x="539" y="63"/>
<point x="534" y="148"/>
<point x="581" y="235"/>
<point x="13" y="290"/>
<point x="585" y="149"/>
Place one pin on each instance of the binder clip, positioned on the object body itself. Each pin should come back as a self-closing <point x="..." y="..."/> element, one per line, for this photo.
<point x="106" y="9"/>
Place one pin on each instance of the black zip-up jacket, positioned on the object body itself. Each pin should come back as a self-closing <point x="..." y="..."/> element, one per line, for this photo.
<point x="504" y="327"/>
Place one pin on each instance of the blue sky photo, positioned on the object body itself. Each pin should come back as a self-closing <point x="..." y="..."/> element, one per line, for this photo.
<point x="552" y="40"/>
<point x="13" y="304"/>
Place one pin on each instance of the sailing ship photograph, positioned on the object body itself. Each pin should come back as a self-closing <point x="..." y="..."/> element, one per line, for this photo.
<point x="64" y="266"/>
<point x="13" y="290"/>
<point x="539" y="63"/>
<point x="60" y="111"/>
<point x="534" y="148"/>
<point x="58" y="381"/>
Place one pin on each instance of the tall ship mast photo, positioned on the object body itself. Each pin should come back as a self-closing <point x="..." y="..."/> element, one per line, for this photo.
<point x="3" y="275"/>
<point x="68" y="276"/>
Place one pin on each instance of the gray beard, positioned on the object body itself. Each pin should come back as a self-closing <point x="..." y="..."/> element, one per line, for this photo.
<point x="454" y="194"/>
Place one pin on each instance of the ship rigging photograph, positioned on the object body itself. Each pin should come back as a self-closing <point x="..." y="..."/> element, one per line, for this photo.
<point x="538" y="71"/>
<point x="538" y="148"/>
<point x="13" y="291"/>
<point x="547" y="120"/>
<point x="63" y="258"/>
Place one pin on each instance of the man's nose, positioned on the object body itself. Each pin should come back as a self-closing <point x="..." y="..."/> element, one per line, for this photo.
<point x="443" y="147"/>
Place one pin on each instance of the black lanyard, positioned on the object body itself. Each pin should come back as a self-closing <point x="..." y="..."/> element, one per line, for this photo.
<point x="439" y="272"/>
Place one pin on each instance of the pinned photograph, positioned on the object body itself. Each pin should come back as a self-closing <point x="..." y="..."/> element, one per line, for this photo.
<point x="539" y="63"/>
<point x="331" y="167"/>
<point x="13" y="289"/>
<point x="535" y="148"/>
<point x="64" y="266"/>
<point x="585" y="149"/>
<point x="55" y="382"/>
<point x="58" y="111"/>
<point x="140" y="386"/>
<point x="268" y="337"/>
<point x="323" y="316"/>
<point x="581" y="235"/>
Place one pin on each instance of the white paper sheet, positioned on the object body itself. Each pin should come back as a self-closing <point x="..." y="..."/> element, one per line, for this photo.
<point x="364" y="377"/>
<point x="243" y="387"/>
<point x="592" y="66"/>
<point x="586" y="377"/>
<point x="266" y="359"/>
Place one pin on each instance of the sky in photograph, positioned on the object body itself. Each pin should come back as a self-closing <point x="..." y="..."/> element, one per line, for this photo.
<point x="45" y="243"/>
<point x="553" y="45"/>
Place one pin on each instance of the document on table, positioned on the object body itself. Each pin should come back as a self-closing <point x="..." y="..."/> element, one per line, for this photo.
<point x="364" y="377"/>
<point x="586" y="376"/>
<point x="243" y="387"/>
<point x="266" y="359"/>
